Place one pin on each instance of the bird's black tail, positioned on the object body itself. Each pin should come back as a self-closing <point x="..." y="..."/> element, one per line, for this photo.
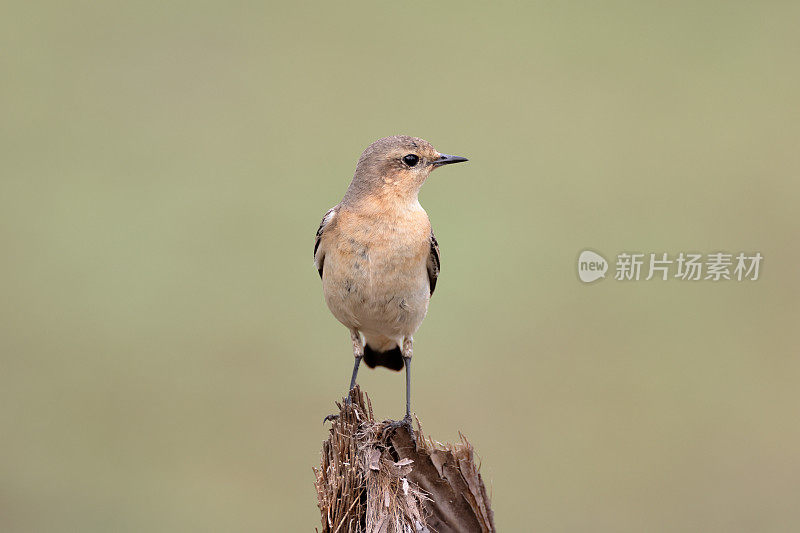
<point x="391" y="359"/>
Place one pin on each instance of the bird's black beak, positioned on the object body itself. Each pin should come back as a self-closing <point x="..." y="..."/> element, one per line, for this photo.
<point x="445" y="159"/>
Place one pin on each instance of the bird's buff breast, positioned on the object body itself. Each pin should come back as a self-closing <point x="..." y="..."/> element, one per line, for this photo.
<point x="375" y="277"/>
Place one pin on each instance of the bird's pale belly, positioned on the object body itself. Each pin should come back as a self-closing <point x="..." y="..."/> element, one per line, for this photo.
<point x="383" y="294"/>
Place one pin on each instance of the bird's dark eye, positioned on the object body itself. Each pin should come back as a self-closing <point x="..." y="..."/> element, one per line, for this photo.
<point x="411" y="160"/>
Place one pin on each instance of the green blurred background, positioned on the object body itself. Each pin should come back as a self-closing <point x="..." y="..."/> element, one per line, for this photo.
<point x="166" y="353"/>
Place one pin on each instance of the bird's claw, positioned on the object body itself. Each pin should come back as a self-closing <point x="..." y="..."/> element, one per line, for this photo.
<point x="404" y="423"/>
<point x="347" y="402"/>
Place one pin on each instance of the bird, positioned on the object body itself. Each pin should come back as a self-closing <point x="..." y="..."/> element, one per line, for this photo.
<point x="377" y="256"/>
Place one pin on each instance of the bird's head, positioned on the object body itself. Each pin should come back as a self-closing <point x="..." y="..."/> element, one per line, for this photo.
<point x="397" y="166"/>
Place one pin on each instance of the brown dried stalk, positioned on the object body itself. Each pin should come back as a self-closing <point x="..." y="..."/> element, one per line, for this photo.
<point x="376" y="477"/>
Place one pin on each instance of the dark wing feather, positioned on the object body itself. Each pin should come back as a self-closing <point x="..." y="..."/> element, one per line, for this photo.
<point x="434" y="263"/>
<point x="319" y="259"/>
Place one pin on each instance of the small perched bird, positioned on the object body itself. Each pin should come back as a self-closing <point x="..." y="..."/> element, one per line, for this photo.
<point x="377" y="256"/>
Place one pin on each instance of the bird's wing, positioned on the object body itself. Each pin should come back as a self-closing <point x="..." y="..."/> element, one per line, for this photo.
<point x="434" y="263"/>
<point x="319" y="254"/>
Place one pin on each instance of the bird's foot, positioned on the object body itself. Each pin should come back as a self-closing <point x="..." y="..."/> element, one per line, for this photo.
<point x="397" y="424"/>
<point x="347" y="403"/>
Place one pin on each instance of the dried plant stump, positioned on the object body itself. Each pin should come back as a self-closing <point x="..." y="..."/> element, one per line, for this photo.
<point x="379" y="477"/>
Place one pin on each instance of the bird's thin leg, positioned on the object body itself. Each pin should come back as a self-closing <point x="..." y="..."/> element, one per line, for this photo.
<point x="358" y="353"/>
<point x="407" y="352"/>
